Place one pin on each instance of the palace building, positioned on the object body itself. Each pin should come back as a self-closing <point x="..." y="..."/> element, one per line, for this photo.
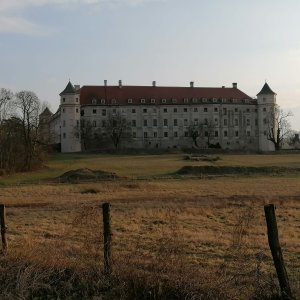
<point x="160" y="117"/>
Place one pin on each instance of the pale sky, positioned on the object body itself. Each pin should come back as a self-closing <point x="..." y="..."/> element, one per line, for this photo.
<point x="44" y="43"/>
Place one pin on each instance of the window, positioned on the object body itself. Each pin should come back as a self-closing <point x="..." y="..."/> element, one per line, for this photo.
<point x="215" y="109"/>
<point x="204" y="99"/>
<point x="165" y="122"/>
<point x="248" y="133"/>
<point x="165" y="110"/>
<point x="145" y="110"/>
<point x="77" y="110"/>
<point x="185" y="122"/>
<point x="225" y="111"/>
<point x="248" y="110"/>
<point x="175" y="134"/>
<point x="163" y="100"/>
<point x="143" y="100"/>
<point x="64" y="99"/>
<point x="186" y="133"/>
<point x="94" y="124"/>
<point x="155" y="134"/>
<point x="225" y="133"/>
<point x="82" y="112"/>
<point x="236" y="110"/>
<point x="236" y="122"/>
<point x="195" y="109"/>
<point x="216" y="121"/>
<point x="225" y="122"/>
<point x="175" y="110"/>
<point x="145" y="135"/>
<point x="214" y="99"/>
<point x="185" y="109"/>
<point x="133" y="110"/>
<point x="206" y="133"/>
<point x="133" y="123"/>
<point x="236" y="133"/>
<point x="64" y="135"/>
<point x="154" y="110"/>
<point x="175" y="122"/>
<point x="205" y="122"/>
<point x="248" y="122"/>
<point x="155" y="122"/>
<point x="63" y="110"/>
<point x="265" y="121"/>
<point x="195" y="121"/>
<point x="129" y="100"/>
<point x="256" y="122"/>
<point x="265" y="133"/>
<point x="134" y="134"/>
<point x="174" y="100"/>
<point x="166" y="134"/>
<point x="152" y="100"/>
<point x="64" y="123"/>
<point x="194" y="100"/>
<point x="145" y="122"/>
<point x="77" y="123"/>
<point x="103" y="112"/>
<point x="76" y="100"/>
<point x="94" y="101"/>
<point x="103" y="123"/>
<point x="114" y="111"/>
<point x="264" y="109"/>
<point x="102" y="101"/>
<point x="216" y="133"/>
<point x="185" y="100"/>
<point x="94" y="111"/>
<point x="205" y="109"/>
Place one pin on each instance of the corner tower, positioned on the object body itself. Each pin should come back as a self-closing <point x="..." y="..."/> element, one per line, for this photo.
<point x="70" y="119"/>
<point x="266" y="101"/>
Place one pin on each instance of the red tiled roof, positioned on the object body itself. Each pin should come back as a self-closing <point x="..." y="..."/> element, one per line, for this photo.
<point x="136" y="93"/>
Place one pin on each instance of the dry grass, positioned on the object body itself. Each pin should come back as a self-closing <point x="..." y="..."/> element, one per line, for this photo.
<point x="172" y="239"/>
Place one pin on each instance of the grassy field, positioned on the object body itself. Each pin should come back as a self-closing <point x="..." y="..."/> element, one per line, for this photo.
<point x="200" y="237"/>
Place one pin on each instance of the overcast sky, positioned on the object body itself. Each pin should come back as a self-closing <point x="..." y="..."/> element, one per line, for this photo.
<point x="44" y="43"/>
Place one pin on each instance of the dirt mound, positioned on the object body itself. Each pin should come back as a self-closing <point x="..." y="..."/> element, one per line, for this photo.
<point x="80" y="175"/>
<point x="239" y="170"/>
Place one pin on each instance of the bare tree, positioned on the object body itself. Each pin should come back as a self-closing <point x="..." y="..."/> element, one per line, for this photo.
<point x="279" y="126"/>
<point x="196" y="131"/>
<point x="28" y="108"/>
<point x="210" y="127"/>
<point x="6" y="97"/>
<point x="117" y="128"/>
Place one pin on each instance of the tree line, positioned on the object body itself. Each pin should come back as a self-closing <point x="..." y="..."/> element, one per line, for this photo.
<point x="20" y="146"/>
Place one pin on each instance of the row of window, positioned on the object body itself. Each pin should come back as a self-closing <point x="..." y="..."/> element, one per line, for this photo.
<point x="174" y="100"/>
<point x="166" y="110"/>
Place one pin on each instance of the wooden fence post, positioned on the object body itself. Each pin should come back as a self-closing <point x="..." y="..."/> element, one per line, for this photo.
<point x="3" y="228"/>
<point x="276" y="251"/>
<point x="107" y="237"/>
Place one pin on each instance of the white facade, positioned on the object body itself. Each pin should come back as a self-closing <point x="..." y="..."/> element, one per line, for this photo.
<point x="158" y="124"/>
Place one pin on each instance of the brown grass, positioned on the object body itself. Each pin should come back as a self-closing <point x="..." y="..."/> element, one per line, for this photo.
<point x="173" y="237"/>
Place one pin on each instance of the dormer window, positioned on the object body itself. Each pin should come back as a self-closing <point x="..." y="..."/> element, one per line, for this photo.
<point x="143" y="100"/>
<point x="102" y="101"/>
<point x="174" y="100"/>
<point x="186" y="100"/>
<point x="234" y="100"/>
<point x="224" y="100"/>
<point x="94" y="101"/>
<point x="194" y="100"/>
<point x="215" y="99"/>
<point x="163" y="100"/>
<point x="113" y="101"/>
<point x="246" y="100"/>
<point x="129" y="100"/>
<point x="204" y="99"/>
<point x="152" y="100"/>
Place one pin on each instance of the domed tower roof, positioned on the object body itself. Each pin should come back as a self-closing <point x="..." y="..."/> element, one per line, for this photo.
<point x="266" y="90"/>
<point x="70" y="89"/>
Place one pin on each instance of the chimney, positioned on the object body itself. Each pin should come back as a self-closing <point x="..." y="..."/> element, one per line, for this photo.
<point x="223" y="86"/>
<point x="154" y="83"/>
<point x="234" y="85"/>
<point x="105" y="82"/>
<point x="192" y="84"/>
<point x="77" y="87"/>
<point x="120" y="83"/>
